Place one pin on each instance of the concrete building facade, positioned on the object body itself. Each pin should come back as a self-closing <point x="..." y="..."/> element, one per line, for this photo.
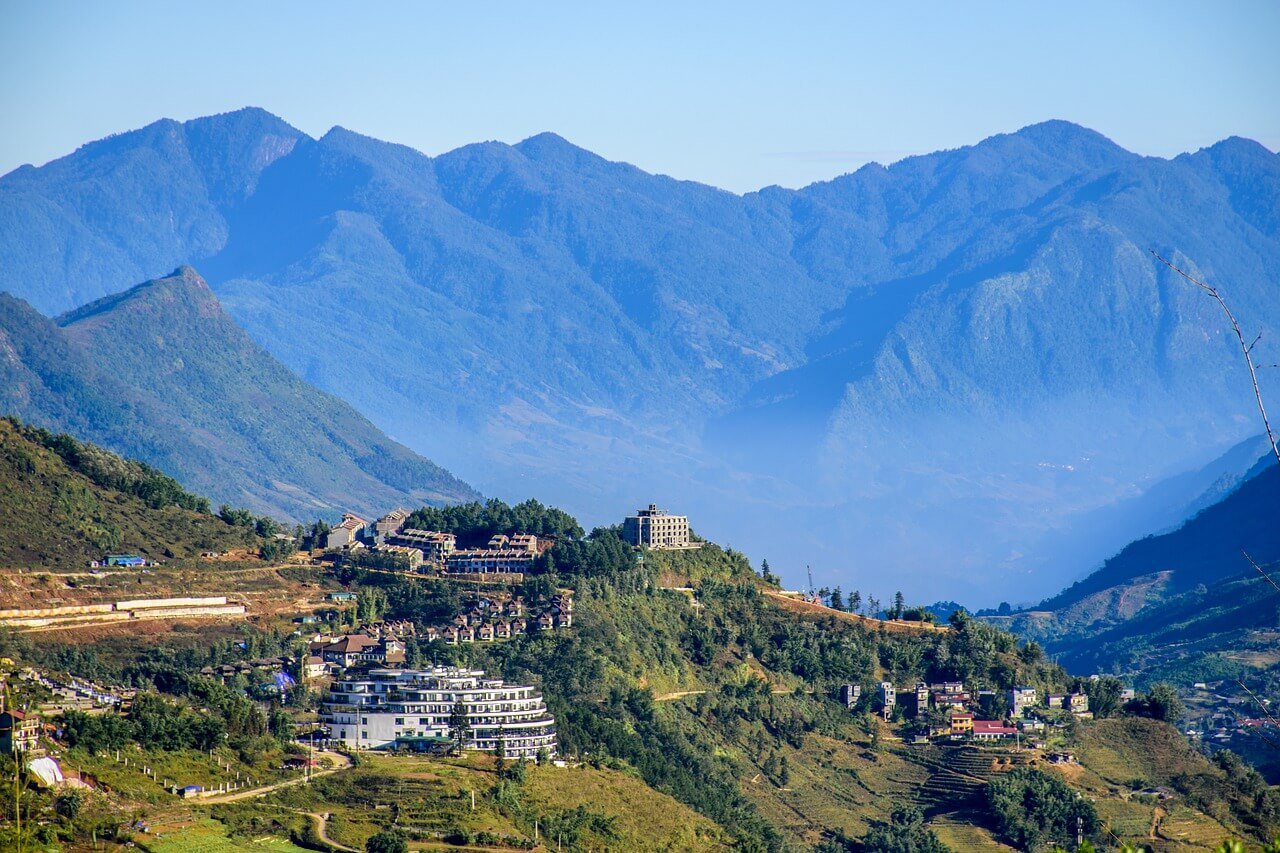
<point x="1020" y="699"/>
<point x="406" y="708"/>
<point x="655" y="528"/>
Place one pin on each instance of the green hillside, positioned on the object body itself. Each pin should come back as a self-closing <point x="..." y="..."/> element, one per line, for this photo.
<point x="161" y="373"/>
<point x="725" y="701"/>
<point x="682" y="679"/>
<point x="63" y="503"/>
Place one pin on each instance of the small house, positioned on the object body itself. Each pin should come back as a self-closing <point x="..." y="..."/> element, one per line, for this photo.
<point x="988" y="730"/>
<point x="960" y="722"/>
<point x="19" y="732"/>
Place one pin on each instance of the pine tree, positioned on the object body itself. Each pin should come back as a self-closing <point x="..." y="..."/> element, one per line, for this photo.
<point x="899" y="604"/>
<point x="855" y="602"/>
<point x="459" y="726"/>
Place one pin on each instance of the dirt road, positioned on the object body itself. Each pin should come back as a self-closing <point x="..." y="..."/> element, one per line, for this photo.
<point x="341" y="762"/>
<point x="808" y="608"/>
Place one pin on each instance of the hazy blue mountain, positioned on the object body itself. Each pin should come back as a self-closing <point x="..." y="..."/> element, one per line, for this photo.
<point x="949" y="366"/>
<point x="130" y="207"/>
<point x="162" y="373"/>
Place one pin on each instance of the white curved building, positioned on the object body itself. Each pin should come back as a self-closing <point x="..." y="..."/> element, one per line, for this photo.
<point x="410" y="708"/>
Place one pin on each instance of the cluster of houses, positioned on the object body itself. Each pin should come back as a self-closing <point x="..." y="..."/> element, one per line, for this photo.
<point x="373" y="645"/>
<point x="957" y="709"/>
<point x="490" y="618"/>
<point x="431" y="550"/>
<point x="486" y="618"/>
<point x="1220" y="717"/>
<point x="49" y="697"/>
<point x="78" y="694"/>
<point x="246" y="667"/>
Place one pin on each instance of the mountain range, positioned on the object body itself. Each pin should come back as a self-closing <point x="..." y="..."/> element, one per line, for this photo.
<point x="161" y="373"/>
<point x="950" y="365"/>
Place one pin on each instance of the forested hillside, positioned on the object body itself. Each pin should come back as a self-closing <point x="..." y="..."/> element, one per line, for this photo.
<point x="64" y="503"/>
<point x="162" y="374"/>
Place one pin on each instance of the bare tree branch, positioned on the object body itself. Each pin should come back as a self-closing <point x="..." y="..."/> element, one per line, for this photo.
<point x="1244" y="348"/>
<point x="1260" y="571"/>
<point x="1264" y="707"/>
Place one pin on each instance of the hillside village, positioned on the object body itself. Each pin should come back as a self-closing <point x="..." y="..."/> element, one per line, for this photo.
<point x="349" y="677"/>
<point x="369" y="654"/>
<point x="950" y="712"/>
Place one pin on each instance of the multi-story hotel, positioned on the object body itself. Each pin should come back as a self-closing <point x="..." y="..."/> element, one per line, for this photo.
<point x="655" y="528"/>
<point x="408" y="708"/>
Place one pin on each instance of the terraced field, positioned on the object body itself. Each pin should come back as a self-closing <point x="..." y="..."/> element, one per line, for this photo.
<point x="1188" y="828"/>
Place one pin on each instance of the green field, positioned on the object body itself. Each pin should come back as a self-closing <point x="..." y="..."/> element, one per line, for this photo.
<point x="210" y="836"/>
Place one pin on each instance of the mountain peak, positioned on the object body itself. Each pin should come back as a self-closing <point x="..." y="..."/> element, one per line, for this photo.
<point x="1064" y="138"/>
<point x="550" y="147"/>
<point x="183" y="287"/>
<point x="1238" y="147"/>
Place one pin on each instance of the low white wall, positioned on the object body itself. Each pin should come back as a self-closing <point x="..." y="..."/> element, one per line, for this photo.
<point x="143" y="603"/>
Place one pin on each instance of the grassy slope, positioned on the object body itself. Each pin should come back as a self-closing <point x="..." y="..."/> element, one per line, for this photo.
<point x="427" y="796"/>
<point x="837" y="781"/>
<point x="55" y="517"/>
<point x="210" y="836"/>
<point x="1119" y="755"/>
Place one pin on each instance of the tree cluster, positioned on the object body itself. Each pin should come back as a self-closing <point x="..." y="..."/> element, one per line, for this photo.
<point x="474" y="523"/>
<point x="1032" y="808"/>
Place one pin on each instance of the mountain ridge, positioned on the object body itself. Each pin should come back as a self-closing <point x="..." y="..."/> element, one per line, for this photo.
<point x="166" y="375"/>
<point x="780" y="356"/>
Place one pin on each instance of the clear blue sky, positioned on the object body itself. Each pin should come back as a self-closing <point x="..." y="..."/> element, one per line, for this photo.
<point x="738" y="95"/>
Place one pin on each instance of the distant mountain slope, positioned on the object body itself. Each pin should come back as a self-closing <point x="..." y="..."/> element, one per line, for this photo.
<point x="1206" y="549"/>
<point x="130" y="207"/>
<point x="1173" y="598"/>
<point x="160" y="372"/>
<point x="948" y="365"/>
<point x="63" y="503"/>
